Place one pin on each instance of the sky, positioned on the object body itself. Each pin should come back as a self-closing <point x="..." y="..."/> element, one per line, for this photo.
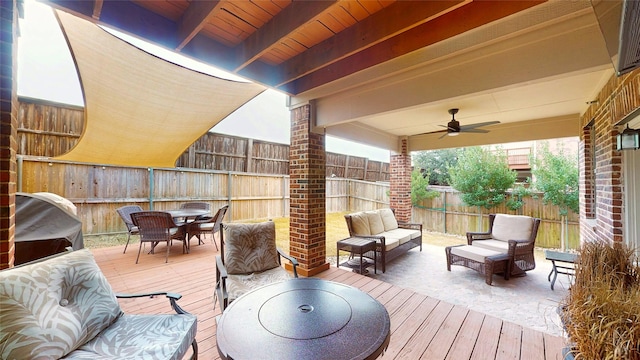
<point x="46" y="71"/>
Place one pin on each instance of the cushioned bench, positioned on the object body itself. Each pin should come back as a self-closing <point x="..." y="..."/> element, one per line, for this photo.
<point x="393" y="238"/>
<point x="63" y="306"/>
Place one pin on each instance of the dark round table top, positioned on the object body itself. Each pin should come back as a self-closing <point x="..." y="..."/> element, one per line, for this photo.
<point x="186" y="213"/>
<point x="304" y="318"/>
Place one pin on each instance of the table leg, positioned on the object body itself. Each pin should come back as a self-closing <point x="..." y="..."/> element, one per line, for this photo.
<point x="555" y="273"/>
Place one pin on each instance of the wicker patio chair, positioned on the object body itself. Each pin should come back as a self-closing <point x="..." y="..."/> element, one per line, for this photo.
<point x="156" y="227"/>
<point x="207" y="225"/>
<point x="125" y="213"/>
<point x="248" y="259"/>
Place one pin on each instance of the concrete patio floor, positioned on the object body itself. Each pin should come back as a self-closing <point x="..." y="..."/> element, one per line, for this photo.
<point x="527" y="301"/>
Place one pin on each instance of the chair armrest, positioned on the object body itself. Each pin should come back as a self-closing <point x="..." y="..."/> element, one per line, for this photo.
<point x="414" y="226"/>
<point x="221" y="284"/>
<point x="294" y="262"/>
<point x="517" y="247"/>
<point x="173" y="297"/>
<point x="471" y="236"/>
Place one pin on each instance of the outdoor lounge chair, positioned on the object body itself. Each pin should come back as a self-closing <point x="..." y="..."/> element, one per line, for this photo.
<point x="248" y="259"/>
<point x="507" y="248"/>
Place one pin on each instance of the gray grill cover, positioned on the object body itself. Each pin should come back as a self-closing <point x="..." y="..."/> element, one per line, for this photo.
<point x="44" y="228"/>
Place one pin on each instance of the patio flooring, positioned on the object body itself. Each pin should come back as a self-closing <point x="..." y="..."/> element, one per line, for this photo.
<point x="450" y="318"/>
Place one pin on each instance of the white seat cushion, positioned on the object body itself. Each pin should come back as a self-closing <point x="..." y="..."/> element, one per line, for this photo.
<point x="473" y="252"/>
<point x="491" y="244"/>
<point x="401" y="236"/>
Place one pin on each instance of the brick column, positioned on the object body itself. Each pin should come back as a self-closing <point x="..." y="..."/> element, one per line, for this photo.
<point x="8" y="123"/>
<point x="400" y="183"/>
<point x="307" y="180"/>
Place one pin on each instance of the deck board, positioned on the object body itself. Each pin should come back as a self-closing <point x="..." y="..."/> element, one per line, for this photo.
<point x="421" y="326"/>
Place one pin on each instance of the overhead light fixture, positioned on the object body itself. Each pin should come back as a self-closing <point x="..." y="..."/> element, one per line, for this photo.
<point x="629" y="139"/>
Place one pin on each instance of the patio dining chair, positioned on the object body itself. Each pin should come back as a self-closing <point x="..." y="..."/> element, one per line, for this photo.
<point x="248" y="259"/>
<point x="207" y="225"/>
<point x="125" y="213"/>
<point x="156" y="227"/>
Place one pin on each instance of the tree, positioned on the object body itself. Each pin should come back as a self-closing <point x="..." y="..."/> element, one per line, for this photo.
<point x="419" y="190"/>
<point x="483" y="177"/>
<point x="557" y="177"/>
<point x="436" y="164"/>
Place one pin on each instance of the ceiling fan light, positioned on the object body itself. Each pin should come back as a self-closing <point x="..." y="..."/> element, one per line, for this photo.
<point x="452" y="133"/>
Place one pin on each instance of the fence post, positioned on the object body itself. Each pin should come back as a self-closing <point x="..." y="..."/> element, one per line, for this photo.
<point x="229" y="187"/>
<point x="151" y="188"/>
<point x="19" y="164"/>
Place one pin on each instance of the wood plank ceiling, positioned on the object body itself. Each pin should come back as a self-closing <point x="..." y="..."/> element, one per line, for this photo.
<point x="292" y="46"/>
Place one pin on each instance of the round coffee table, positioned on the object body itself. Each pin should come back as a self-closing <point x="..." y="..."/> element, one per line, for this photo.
<point x="304" y="318"/>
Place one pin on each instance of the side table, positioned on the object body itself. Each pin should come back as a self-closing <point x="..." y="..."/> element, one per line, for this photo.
<point x="562" y="258"/>
<point x="355" y="245"/>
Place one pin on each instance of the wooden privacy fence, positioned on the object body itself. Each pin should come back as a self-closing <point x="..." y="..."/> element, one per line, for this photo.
<point x="98" y="190"/>
<point x="47" y="129"/>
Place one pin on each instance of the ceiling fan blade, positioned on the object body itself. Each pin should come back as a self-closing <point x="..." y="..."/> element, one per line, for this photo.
<point x="473" y="126"/>
<point x="477" y="131"/>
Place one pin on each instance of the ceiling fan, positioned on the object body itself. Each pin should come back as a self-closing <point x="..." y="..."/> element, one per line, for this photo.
<point x="454" y="128"/>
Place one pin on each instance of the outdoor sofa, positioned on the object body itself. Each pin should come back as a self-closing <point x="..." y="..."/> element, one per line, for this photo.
<point x="393" y="238"/>
<point x="63" y="307"/>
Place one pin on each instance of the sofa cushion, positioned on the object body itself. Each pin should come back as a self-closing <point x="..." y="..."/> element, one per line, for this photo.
<point x="396" y="235"/>
<point x="375" y="222"/>
<point x="388" y="219"/>
<point x="360" y="224"/>
<point x="475" y="253"/>
<point x="390" y="243"/>
<point x="250" y="247"/>
<point x="511" y="227"/>
<point x="491" y="244"/>
<point x="155" y="337"/>
<point x="52" y="307"/>
<point x="405" y="234"/>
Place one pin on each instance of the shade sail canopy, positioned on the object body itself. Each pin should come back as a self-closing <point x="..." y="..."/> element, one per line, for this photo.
<point x="141" y="110"/>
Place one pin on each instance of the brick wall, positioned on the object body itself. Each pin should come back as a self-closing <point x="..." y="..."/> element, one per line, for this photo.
<point x="400" y="183"/>
<point x="601" y="177"/>
<point x="307" y="194"/>
<point x="8" y="123"/>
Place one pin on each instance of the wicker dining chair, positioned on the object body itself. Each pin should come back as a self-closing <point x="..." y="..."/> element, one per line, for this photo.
<point x="156" y="227"/>
<point x="125" y="213"/>
<point x="207" y="225"/>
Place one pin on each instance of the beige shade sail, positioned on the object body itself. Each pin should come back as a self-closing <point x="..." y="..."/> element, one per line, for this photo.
<point x="141" y="110"/>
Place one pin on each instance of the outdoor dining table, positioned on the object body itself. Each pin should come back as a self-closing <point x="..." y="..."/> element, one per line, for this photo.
<point x="304" y="318"/>
<point x="188" y="214"/>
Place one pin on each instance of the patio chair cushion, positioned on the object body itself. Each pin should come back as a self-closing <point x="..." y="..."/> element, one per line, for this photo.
<point x="388" y="219"/>
<point x="248" y="249"/>
<point x="375" y="222"/>
<point x="511" y="227"/>
<point x="241" y="284"/>
<point x="474" y="253"/>
<point x="399" y="237"/>
<point x="155" y="337"/>
<point x="52" y="307"/>
<point x="495" y="245"/>
<point x="360" y="223"/>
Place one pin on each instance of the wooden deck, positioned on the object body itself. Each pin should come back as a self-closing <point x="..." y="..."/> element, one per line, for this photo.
<point x="421" y="327"/>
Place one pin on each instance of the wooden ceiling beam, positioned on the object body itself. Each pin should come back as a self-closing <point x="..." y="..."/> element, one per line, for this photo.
<point x="287" y="21"/>
<point x="392" y="20"/>
<point x="443" y="27"/>
<point x="193" y="19"/>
